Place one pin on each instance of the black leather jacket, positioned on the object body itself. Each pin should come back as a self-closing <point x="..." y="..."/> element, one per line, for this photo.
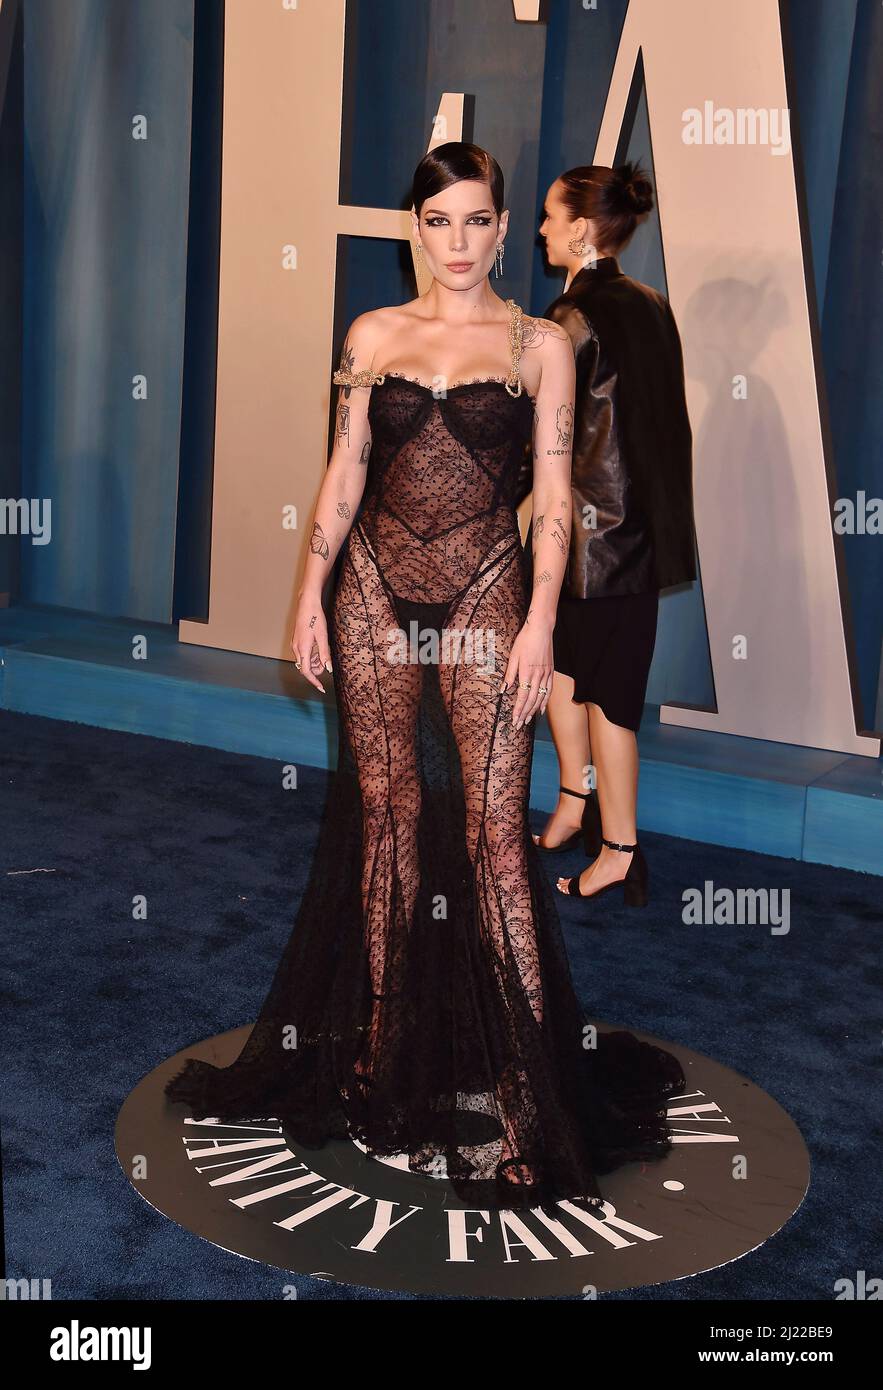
<point x="632" y="442"/>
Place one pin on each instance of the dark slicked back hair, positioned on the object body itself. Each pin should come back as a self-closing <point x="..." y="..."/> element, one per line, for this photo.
<point x="450" y="163"/>
<point x="616" y="200"/>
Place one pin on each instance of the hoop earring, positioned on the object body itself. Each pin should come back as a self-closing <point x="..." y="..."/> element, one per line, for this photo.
<point x="588" y="254"/>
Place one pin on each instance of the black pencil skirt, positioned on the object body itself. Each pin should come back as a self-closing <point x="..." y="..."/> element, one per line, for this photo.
<point x="605" y="645"/>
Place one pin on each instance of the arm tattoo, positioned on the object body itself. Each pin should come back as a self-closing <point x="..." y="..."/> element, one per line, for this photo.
<point x="559" y="540"/>
<point x="342" y="428"/>
<point x="564" y="428"/>
<point x="343" y="510"/>
<point x="538" y="525"/>
<point x="544" y="578"/>
<point x="347" y="362"/>
<point x="318" y="543"/>
<point x="366" y="453"/>
<point x="535" y="330"/>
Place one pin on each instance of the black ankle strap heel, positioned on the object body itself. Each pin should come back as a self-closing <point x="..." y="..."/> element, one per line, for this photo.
<point x="634" y="886"/>
<point x="589" y="832"/>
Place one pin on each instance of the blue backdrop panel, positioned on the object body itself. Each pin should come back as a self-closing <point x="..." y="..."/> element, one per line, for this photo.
<point x="11" y="139"/>
<point x="106" y="276"/>
<point x="853" y="336"/>
<point x="104" y="296"/>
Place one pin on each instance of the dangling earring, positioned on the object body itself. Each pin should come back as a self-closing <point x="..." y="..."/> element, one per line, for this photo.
<point x="419" y="249"/>
<point x="588" y="254"/>
<point x="499" y="259"/>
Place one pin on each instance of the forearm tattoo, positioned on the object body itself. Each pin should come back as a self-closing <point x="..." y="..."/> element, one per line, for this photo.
<point x="318" y="543"/>
<point x="544" y="578"/>
<point x="366" y="453"/>
<point x="343" y="510"/>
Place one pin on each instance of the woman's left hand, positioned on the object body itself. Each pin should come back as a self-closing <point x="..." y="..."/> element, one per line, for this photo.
<point x="530" y="661"/>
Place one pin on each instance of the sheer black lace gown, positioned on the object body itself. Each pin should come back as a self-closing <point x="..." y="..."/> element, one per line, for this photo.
<point x="423" y="1004"/>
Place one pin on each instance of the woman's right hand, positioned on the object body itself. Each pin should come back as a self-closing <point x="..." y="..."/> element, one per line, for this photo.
<point x="309" y="643"/>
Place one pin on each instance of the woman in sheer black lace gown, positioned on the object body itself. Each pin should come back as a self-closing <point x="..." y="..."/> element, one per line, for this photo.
<point x="424" y="1004"/>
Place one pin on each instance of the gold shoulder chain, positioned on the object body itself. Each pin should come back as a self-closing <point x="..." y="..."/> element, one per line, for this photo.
<point x="515" y="340"/>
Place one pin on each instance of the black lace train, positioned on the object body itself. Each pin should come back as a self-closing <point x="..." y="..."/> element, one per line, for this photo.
<point x="424" y="1004"/>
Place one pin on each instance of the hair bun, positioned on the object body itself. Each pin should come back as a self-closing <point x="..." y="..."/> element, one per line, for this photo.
<point x="635" y="192"/>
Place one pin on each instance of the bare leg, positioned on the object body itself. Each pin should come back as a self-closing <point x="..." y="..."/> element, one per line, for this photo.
<point x="616" y="762"/>
<point x="570" y="733"/>
<point x="495" y="762"/>
<point x="378" y="699"/>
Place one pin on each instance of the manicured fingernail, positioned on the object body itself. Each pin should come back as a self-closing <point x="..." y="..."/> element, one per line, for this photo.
<point x="327" y="665"/>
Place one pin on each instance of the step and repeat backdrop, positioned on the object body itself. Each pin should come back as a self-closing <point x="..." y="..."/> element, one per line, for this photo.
<point x="202" y="223"/>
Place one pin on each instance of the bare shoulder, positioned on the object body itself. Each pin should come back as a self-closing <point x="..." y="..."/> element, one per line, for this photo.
<point x="365" y="330"/>
<point x="369" y="332"/>
<point x="360" y="346"/>
<point x="551" y="351"/>
<point x="548" y="342"/>
<point x="537" y="331"/>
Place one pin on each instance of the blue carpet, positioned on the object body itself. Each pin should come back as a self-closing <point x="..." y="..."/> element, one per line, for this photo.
<point x="91" y="818"/>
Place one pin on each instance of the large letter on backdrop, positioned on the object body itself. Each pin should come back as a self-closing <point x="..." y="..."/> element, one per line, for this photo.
<point x="737" y="278"/>
<point x="280" y="221"/>
<point x="280" y="225"/>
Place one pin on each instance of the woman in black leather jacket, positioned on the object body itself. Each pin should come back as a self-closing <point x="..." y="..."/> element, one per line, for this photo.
<point x="632" y="528"/>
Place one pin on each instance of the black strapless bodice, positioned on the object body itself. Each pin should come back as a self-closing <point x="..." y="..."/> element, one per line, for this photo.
<point x="443" y="481"/>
